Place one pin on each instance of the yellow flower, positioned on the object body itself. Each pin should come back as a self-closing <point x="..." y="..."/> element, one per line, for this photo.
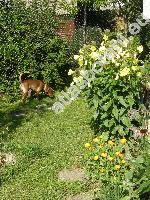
<point x="110" y="158"/>
<point x="134" y="68"/>
<point x="102" y="48"/>
<point x="105" y="37"/>
<point x="96" y="157"/>
<point x="117" y="153"/>
<point x="87" y="145"/>
<point x="139" y="74"/>
<point x="117" y="167"/>
<point x="127" y="55"/>
<point x="140" y="48"/>
<point x="123" y="141"/>
<point x="102" y="170"/>
<point x="93" y="48"/>
<point x="100" y="145"/>
<point x="123" y="161"/>
<point x="95" y="55"/>
<point x="124" y="71"/>
<point x="104" y="155"/>
<point x="95" y="140"/>
<point x="110" y="142"/>
<point x="121" y="155"/>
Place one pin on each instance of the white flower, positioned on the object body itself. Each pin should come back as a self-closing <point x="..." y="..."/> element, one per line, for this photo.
<point x="140" y="48"/>
<point x="125" y="43"/>
<point x="72" y="84"/>
<point x="76" y="57"/>
<point x="85" y="63"/>
<point x="70" y="72"/>
<point x="89" y="85"/>
<point x="117" y="77"/>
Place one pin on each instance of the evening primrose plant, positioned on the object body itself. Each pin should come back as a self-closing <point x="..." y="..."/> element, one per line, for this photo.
<point x="116" y="89"/>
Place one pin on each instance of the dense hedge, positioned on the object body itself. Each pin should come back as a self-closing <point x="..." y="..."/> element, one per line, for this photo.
<point x="28" y="43"/>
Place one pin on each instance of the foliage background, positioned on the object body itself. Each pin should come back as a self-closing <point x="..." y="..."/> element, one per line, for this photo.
<point x="29" y="43"/>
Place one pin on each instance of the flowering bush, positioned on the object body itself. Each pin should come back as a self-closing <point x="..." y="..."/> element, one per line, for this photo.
<point x="113" y="74"/>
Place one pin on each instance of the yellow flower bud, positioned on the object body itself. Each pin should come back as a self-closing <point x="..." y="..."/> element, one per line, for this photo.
<point x="123" y="161"/>
<point x="123" y="141"/>
<point x="96" y="158"/>
<point x="117" y="167"/>
<point x="95" y="140"/>
<point x="104" y="155"/>
<point x="110" y="142"/>
<point x="117" y="153"/>
<point x="102" y="170"/>
<point x="110" y="158"/>
<point x="87" y="145"/>
<point x="121" y="155"/>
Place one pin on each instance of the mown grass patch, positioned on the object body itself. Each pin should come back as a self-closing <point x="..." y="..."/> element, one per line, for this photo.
<point x="44" y="143"/>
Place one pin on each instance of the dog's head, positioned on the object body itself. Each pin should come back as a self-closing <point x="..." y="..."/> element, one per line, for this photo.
<point x="48" y="90"/>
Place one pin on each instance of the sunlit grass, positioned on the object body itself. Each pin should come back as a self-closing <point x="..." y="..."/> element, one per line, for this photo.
<point x="44" y="143"/>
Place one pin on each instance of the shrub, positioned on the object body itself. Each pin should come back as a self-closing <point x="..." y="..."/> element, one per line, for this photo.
<point x="29" y="44"/>
<point x="115" y="89"/>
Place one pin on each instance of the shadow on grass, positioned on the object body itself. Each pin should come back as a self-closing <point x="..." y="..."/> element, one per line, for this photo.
<point x="12" y="116"/>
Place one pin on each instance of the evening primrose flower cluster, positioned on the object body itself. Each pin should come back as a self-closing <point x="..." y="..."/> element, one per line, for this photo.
<point x="106" y="157"/>
<point x="118" y="54"/>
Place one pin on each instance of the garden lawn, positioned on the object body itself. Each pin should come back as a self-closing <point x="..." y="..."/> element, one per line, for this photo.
<point x="44" y="143"/>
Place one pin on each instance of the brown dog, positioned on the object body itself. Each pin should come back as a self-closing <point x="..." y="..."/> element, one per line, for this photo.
<point x="36" y="85"/>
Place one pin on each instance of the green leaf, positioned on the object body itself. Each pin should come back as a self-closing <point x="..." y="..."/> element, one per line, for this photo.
<point x="126" y="198"/>
<point x="126" y="121"/>
<point x="103" y="116"/>
<point x="107" y="105"/>
<point x="106" y="123"/>
<point x="130" y="100"/>
<point x="121" y="111"/>
<point x="129" y="175"/>
<point x="139" y="160"/>
<point x="115" y="112"/>
<point x="105" y="136"/>
<point x="122" y="101"/>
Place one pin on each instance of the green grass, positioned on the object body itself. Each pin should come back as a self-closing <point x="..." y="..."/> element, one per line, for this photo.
<point x="44" y="143"/>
